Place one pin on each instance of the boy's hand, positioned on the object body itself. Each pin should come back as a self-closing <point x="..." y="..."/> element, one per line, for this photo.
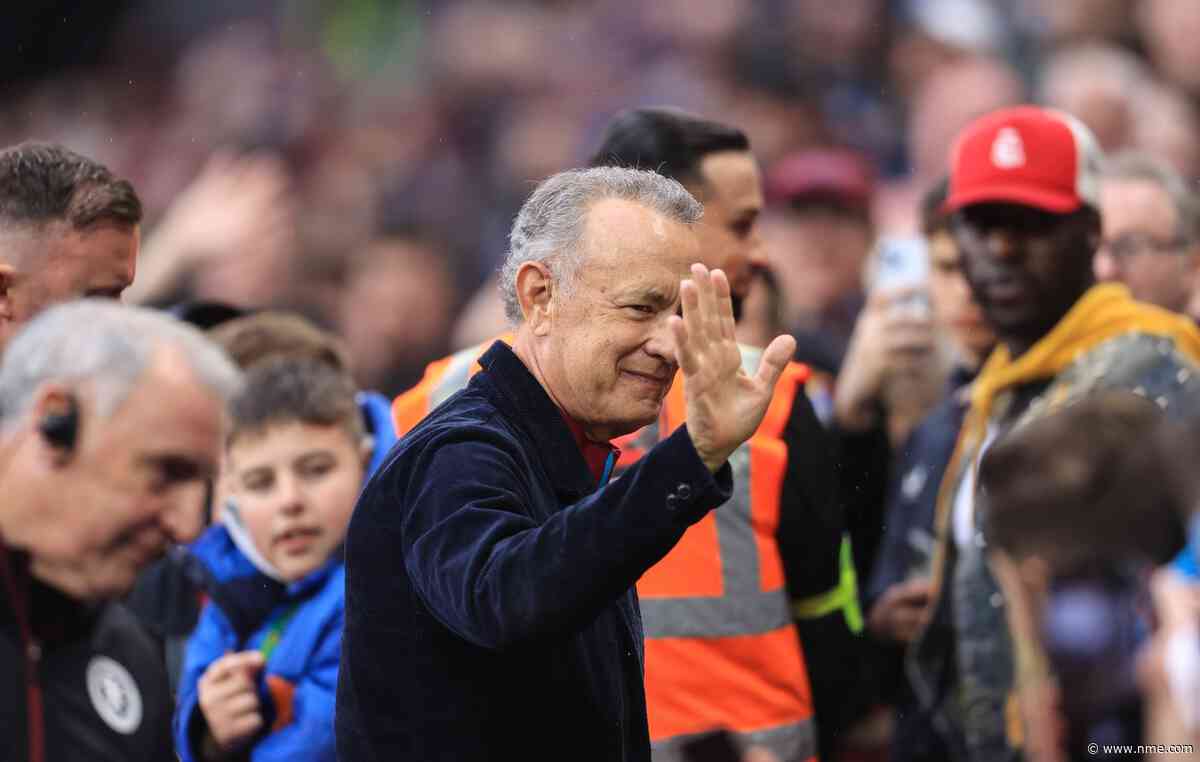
<point x="229" y="699"/>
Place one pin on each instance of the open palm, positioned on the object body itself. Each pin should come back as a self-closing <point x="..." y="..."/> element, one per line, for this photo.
<point x="724" y="403"/>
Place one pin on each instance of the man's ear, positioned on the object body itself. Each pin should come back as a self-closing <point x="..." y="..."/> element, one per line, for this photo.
<point x="535" y="292"/>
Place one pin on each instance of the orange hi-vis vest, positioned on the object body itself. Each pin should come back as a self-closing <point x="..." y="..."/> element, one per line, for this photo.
<point x="721" y="647"/>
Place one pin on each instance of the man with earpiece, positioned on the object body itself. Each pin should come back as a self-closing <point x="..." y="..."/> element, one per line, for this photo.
<point x="110" y="423"/>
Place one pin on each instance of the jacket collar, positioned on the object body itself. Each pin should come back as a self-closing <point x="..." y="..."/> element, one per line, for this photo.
<point x="521" y="399"/>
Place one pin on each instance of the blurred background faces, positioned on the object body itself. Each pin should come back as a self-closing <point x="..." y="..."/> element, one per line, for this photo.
<point x="360" y="161"/>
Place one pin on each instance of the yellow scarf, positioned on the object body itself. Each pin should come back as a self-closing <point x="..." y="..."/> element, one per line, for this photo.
<point x="1103" y="313"/>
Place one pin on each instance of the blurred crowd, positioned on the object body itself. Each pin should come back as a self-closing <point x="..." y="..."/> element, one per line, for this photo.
<point x="333" y="156"/>
<point x="346" y="175"/>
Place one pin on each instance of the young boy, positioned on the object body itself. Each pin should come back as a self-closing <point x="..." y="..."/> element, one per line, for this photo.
<point x="260" y="671"/>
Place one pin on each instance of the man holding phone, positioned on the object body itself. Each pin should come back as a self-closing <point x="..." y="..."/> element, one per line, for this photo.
<point x="899" y="591"/>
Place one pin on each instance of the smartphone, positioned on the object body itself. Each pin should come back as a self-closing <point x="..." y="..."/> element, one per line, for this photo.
<point x="714" y="746"/>
<point x="902" y="262"/>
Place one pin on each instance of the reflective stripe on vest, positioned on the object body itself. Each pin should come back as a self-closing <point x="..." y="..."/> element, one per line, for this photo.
<point x="786" y="742"/>
<point x="721" y="647"/>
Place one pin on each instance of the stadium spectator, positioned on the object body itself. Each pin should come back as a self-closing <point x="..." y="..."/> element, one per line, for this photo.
<point x="1151" y="228"/>
<point x="110" y="422"/>
<point x="261" y="668"/>
<point x="1028" y="225"/>
<point x="69" y="229"/>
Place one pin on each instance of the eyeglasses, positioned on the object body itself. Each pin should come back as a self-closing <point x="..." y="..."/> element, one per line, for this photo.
<point x="1130" y="245"/>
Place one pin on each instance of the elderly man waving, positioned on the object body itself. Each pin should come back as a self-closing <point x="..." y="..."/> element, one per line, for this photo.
<point x="490" y="564"/>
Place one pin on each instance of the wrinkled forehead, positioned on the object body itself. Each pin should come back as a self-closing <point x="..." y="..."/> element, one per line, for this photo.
<point x="627" y="238"/>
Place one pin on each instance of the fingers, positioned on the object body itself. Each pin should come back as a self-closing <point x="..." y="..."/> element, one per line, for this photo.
<point x="708" y="303"/>
<point x="724" y="300"/>
<point x="232" y="667"/>
<point x="776" y="357"/>
<point x="685" y="356"/>
<point x="906" y="623"/>
<point x="915" y="591"/>
<point x="689" y="299"/>
<point x="243" y="727"/>
<point x="879" y="301"/>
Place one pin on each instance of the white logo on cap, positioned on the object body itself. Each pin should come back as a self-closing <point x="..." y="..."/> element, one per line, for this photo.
<point x="1008" y="151"/>
<point x="114" y="694"/>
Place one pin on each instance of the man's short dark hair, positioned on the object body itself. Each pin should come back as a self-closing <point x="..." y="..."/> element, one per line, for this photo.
<point x="668" y="141"/>
<point x="42" y="183"/>
<point x="295" y="390"/>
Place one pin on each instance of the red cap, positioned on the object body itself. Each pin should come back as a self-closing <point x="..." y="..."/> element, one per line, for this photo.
<point x="825" y="173"/>
<point x="1025" y="155"/>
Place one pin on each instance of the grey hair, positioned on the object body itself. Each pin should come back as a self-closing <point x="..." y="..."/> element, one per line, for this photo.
<point x="550" y="226"/>
<point x="107" y="346"/>
<point x="1136" y="165"/>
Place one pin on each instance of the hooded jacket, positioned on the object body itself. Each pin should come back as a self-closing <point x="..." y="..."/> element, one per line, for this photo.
<point x="250" y="610"/>
<point x="964" y="665"/>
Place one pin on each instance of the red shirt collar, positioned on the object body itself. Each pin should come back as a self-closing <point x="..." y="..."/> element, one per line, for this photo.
<point x="595" y="454"/>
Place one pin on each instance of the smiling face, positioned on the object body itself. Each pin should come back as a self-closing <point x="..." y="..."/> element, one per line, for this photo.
<point x="604" y="351"/>
<point x="729" y="230"/>
<point x="296" y="484"/>
<point x="1026" y="267"/>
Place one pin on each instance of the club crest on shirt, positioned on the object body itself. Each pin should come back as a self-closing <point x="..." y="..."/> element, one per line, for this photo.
<point x="114" y="694"/>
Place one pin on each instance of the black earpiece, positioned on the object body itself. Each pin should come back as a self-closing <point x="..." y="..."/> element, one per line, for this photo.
<point x="61" y="429"/>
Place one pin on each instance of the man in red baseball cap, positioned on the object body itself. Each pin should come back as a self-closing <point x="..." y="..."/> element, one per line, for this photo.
<point x="1024" y="199"/>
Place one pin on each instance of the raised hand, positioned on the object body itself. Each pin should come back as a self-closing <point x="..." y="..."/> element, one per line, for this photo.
<point x="724" y="403"/>
<point x="889" y="342"/>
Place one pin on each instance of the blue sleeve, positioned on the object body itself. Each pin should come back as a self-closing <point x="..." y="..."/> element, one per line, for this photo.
<point x="310" y="734"/>
<point x="378" y="412"/>
<point x="211" y="640"/>
<point x="497" y="576"/>
<point x="1185" y="563"/>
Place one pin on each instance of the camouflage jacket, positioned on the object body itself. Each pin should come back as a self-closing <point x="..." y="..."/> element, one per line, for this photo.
<point x="962" y="665"/>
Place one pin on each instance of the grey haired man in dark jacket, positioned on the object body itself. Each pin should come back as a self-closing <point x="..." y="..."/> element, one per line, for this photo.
<point x="491" y="611"/>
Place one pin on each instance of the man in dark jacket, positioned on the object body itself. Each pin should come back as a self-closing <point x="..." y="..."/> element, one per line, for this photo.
<point x="490" y="565"/>
<point x="109" y="422"/>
